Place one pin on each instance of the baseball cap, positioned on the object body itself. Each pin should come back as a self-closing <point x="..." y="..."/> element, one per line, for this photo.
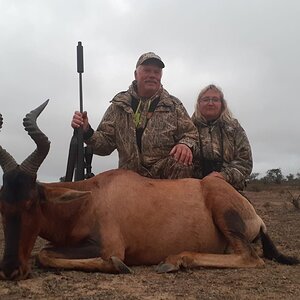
<point x="148" y="57"/>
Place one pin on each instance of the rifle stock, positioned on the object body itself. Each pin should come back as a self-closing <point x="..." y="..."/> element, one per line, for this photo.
<point x="71" y="158"/>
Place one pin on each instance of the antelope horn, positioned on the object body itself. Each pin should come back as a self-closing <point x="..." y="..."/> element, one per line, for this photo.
<point x="32" y="163"/>
<point x="7" y="162"/>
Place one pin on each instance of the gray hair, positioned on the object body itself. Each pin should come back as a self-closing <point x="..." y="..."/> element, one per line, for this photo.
<point x="226" y="114"/>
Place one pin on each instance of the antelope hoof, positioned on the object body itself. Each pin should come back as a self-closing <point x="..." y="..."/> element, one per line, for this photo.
<point x="120" y="266"/>
<point x="166" y="268"/>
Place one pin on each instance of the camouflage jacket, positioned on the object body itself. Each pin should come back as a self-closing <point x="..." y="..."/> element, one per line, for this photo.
<point x="236" y="163"/>
<point x="169" y="125"/>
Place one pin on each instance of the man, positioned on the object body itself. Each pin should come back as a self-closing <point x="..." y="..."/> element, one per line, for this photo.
<point x="150" y="129"/>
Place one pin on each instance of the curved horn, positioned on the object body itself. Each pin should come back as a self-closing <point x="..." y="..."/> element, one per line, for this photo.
<point x="32" y="163"/>
<point x="7" y="162"/>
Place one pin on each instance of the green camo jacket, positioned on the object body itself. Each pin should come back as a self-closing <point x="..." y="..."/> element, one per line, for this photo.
<point x="237" y="157"/>
<point x="169" y="125"/>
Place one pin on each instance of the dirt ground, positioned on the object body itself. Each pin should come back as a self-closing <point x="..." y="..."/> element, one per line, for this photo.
<point x="274" y="281"/>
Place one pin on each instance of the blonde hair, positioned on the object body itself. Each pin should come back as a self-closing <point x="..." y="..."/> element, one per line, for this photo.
<point x="225" y="115"/>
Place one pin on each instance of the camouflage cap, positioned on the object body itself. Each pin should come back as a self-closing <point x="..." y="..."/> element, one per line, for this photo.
<point x="150" y="56"/>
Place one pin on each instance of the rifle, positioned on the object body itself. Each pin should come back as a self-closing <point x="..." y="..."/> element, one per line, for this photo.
<point x="80" y="157"/>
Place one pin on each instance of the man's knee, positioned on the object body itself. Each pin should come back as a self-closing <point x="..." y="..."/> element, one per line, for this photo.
<point x="175" y="170"/>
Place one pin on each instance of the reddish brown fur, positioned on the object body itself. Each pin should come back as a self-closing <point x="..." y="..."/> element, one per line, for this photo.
<point x="141" y="221"/>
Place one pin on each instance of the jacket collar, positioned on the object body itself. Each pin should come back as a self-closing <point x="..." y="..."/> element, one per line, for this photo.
<point x="201" y="121"/>
<point x="123" y="99"/>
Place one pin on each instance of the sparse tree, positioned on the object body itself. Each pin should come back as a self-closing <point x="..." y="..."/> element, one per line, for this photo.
<point x="62" y="179"/>
<point x="274" y="176"/>
<point x="290" y="177"/>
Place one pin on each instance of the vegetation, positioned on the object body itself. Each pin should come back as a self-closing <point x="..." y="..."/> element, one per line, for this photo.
<point x="287" y="186"/>
<point x="274" y="176"/>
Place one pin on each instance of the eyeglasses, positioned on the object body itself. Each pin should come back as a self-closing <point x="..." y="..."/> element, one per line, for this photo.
<point x="207" y="100"/>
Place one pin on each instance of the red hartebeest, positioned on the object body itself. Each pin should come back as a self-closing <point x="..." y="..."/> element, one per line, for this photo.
<point x="119" y="218"/>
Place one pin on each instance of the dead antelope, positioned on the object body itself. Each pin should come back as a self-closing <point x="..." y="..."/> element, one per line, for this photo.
<point x="119" y="218"/>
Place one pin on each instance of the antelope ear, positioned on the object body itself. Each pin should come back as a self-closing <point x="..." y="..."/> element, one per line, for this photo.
<point x="64" y="195"/>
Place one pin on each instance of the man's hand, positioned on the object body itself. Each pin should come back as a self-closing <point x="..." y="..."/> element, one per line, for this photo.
<point x="80" y="119"/>
<point x="182" y="154"/>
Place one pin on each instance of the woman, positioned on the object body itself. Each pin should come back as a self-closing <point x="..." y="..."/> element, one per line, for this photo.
<point x="223" y="149"/>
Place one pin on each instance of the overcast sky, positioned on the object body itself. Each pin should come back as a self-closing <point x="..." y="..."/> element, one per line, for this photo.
<point x="249" y="48"/>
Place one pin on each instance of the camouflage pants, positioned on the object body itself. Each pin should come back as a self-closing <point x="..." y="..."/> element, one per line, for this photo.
<point x="167" y="168"/>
